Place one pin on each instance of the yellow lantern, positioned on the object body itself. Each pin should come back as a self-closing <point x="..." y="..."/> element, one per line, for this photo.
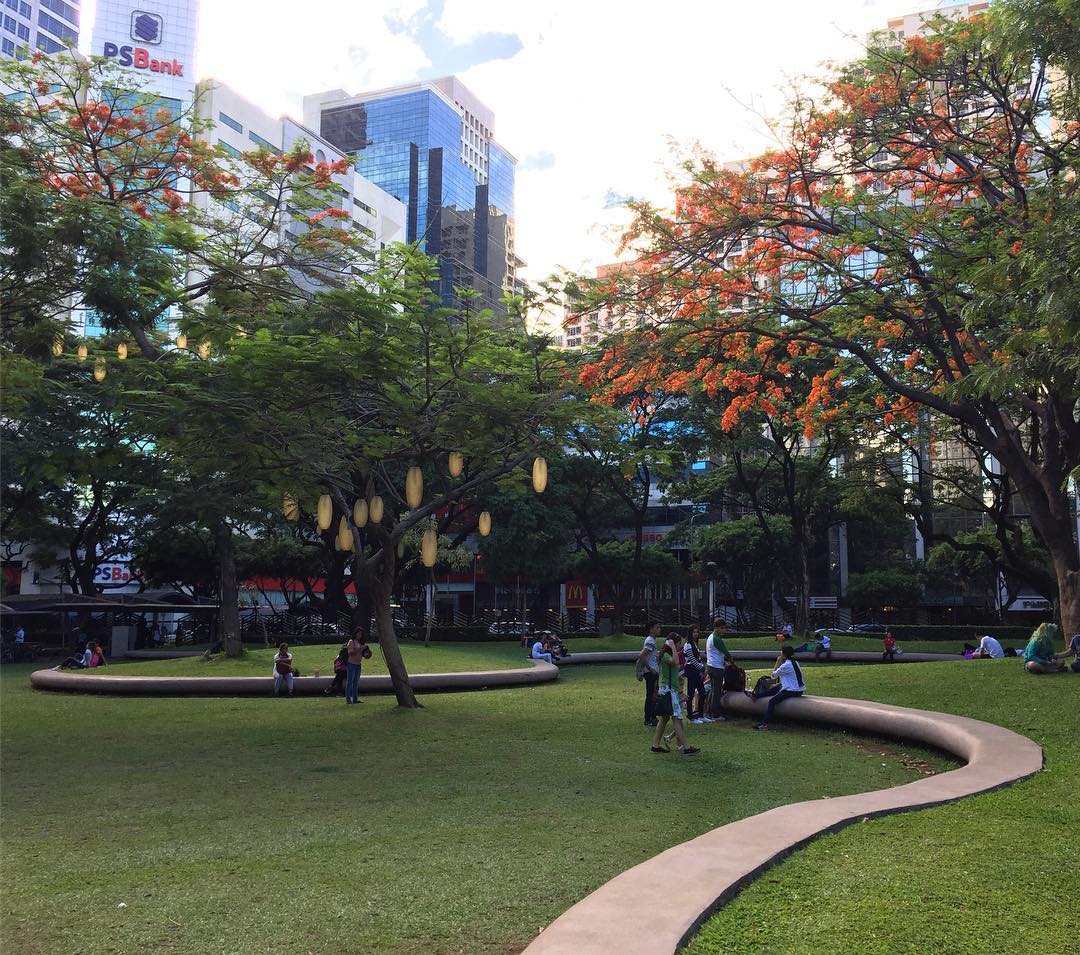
<point x="456" y="463"/>
<point x="539" y="475"/>
<point x="325" y="512"/>
<point x="57" y="347"/>
<point x="344" y="535"/>
<point x="400" y="549"/>
<point x="291" y="508"/>
<point x="82" y="352"/>
<point x="414" y="486"/>
<point x="204" y="350"/>
<point x="121" y="351"/>
<point x="375" y="510"/>
<point x="360" y="513"/>
<point x="484" y="524"/>
<point x="429" y="547"/>
<point x="181" y="341"/>
<point x="99" y="369"/>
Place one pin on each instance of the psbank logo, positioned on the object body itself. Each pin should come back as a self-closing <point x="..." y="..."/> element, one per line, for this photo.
<point x="146" y="27"/>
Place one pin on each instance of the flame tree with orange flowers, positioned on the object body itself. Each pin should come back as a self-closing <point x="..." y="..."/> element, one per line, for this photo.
<point x="916" y="231"/>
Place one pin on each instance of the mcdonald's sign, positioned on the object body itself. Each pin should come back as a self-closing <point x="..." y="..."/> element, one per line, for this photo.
<point x="577" y="594"/>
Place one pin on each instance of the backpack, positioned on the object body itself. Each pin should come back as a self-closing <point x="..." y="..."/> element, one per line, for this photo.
<point x="639" y="671"/>
<point x="283" y="666"/>
<point x="763" y="685"/>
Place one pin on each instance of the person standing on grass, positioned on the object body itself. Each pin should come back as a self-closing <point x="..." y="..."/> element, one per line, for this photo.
<point x="648" y="665"/>
<point x="694" y="668"/>
<point x="716" y="655"/>
<point x="357" y="651"/>
<point x="669" y="701"/>
<point x="283" y="670"/>
<point x="789" y="673"/>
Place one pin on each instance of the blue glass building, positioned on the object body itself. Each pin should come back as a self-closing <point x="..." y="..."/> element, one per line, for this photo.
<point x="431" y="145"/>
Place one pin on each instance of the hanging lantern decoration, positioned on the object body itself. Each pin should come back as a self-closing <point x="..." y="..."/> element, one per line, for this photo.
<point x="181" y="341"/>
<point x="99" y="369"/>
<point x="539" y="475"/>
<point x="121" y="351"/>
<point x="360" y="513"/>
<point x="400" y="549"/>
<point x="455" y="463"/>
<point x="375" y="510"/>
<point x="82" y="352"/>
<point x="57" y="347"/>
<point x="429" y="547"/>
<point x="344" y="535"/>
<point x="291" y="507"/>
<point x="325" y="511"/>
<point x="414" y="486"/>
<point x="204" y="350"/>
<point x="484" y="524"/>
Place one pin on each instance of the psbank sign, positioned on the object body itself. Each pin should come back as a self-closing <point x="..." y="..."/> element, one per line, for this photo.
<point x="145" y="28"/>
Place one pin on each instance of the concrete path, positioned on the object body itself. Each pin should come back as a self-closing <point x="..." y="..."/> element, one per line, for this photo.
<point x="638" y="913"/>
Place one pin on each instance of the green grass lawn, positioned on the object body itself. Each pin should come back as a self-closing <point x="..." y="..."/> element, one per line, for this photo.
<point x="437" y="658"/>
<point x="996" y="873"/>
<point x="735" y="642"/>
<point x="274" y="825"/>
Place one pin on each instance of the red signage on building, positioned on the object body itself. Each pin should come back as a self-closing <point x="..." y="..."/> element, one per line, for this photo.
<point x="577" y="594"/>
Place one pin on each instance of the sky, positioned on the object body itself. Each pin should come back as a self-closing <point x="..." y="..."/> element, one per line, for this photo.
<point x="595" y="98"/>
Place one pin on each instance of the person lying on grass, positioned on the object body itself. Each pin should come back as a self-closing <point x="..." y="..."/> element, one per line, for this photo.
<point x="1039" y="655"/>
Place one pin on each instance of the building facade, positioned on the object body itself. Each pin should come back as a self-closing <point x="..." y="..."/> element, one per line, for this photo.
<point x="432" y="146"/>
<point x="46" y="25"/>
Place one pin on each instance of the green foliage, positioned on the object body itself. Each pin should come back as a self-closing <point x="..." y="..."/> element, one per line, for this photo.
<point x="897" y="585"/>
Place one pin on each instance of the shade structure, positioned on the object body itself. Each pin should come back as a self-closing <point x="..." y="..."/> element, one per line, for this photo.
<point x="291" y="508"/>
<point x="483" y="524"/>
<point x="539" y="475"/>
<point x="429" y="547"/>
<point x="375" y="510"/>
<point x="455" y="463"/>
<point x="122" y="351"/>
<point x="414" y="486"/>
<point x="360" y="513"/>
<point x="99" y="369"/>
<point x="181" y="340"/>
<point x="325" y="511"/>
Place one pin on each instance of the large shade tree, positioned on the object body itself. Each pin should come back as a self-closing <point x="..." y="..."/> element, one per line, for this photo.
<point x="917" y="227"/>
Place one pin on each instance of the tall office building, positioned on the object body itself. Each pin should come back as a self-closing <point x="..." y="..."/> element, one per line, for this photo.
<point x="431" y="144"/>
<point x="48" y="25"/>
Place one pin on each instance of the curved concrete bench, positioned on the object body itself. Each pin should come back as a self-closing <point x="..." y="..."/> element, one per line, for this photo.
<point x="78" y="681"/>
<point x="636" y="913"/>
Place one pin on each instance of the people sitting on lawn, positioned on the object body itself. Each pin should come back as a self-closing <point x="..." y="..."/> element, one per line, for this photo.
<point x="989" y="649"/>
<point x="97" y="657"/>
<point x="824" y="647"/>
<point x="283" y="670"/>
<point x="789" y="673"/>
<point x="541" y="650"/>
<point x="1074" y="649"/>
<point x="890" y="647"/>
<point x="1039" y="654"/>
<point x="557" y="647"/>
<point x="341" y="667"/>
<point x="79" y="660"/>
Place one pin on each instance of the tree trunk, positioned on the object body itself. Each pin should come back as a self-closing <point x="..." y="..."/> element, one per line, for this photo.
<point x="382" y="591"/>
<point x="228" y="591"/>
<point x="802" y="543"/>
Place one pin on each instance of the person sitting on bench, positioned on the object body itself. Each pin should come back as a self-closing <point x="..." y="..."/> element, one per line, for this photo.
<point x="789" y="673"/>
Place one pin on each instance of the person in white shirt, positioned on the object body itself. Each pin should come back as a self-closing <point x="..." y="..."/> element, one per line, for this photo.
<point x="789" y="673"/>
<point x="20" y="636"/>
<point x="716" y="655"/>
<point x="539" y="654"/>
<point x="283" y="670"/>
<point x="989" y="649"/>
<point x="648" y="667"/>
<point x="824" y="646"/>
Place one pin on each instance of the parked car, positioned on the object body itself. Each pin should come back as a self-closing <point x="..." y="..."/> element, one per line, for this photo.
<point x="510" y="628"/>
<point x="867" y="628"/>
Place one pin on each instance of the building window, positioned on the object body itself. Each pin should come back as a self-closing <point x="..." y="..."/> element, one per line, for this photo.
<point x="9" y="24"/>
<point x="259" y="141"/>
<point x="230" y="122"/>
<point x="8" y="46"/>
<point x="229" y="150"/>
<point x="65" y="10"/>
<point x="24" y="32"/>
<point x="56" y="28"/>
<point x="47" y="44"/>
<point x="24" y="9"/>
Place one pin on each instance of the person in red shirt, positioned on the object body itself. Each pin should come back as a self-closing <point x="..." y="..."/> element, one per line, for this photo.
<point x="890" y="647"/>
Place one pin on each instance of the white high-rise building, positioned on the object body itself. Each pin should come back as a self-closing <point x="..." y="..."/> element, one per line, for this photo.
<point x="47" y="25"/>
